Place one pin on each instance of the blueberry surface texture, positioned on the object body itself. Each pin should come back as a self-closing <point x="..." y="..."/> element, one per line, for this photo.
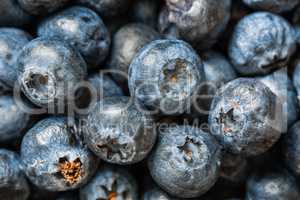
<point x="42" y="7"/>
<point x="118" y="132"/>
<point x="110" y="183"/>
<point x="245" y="117"/>
<point x="291" y="148"/>
<point x="146" y="12"/>
<point x="11" y="14"/>
<point x="126" y="43"/>
<point x="185" y="161"/>
<point x="107" y="8"/>
<point x="54" y="158"/>
<point x="281" y="85"/>
<point x="164" y="76"/>
<point x="12" y="41"/>
<point x="296" y="22"/>
<point x="218" y="71"/>
<point x="199" y="22"/>
<point x="156" y="194"/>
<point x="13" y="183"/>
<point x="82" y="28"/>
<point x="13" y="120"/>
<point x="277" y="185"/>
<point x="48" y="70"/>
<point x="260" y="43"/>
<point x="276" y="6"/>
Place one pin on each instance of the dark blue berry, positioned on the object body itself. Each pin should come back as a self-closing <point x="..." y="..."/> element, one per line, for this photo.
<point x="156" y="194"/>
<point x="13" y="120"/>
<point x="126" y="44"/>
<point x="198" y="22"/>
<point x="107" y="8"/>
<point x="260" y="43"/>
<point x="13" y="184"/>
<point x="276" y="6"/>
<point x="83" y="29"/>
<point x="53" y="157"/>
<point x="185" y="162"/>
<point x="164" y="76"/>
<point x="146" y="12"/>
<point x="110" y="183"/>
<point x="42" y="7"/>
<point x="49" y="69"/>
<point x="11" y="14"/>
<point x="272" y="185"/>
<point x="291" y="150"/>
<point x="12" y="41"/>
<point x="245" y="117"/>
<point x="281" y="85"/>
<point x="118" y="132"/>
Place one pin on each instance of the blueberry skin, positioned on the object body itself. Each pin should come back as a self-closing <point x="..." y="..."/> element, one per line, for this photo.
<point x="13" y="120"/>
<point x="165" y="28"/>
<point x="54" y="159"/>
<point x="11" y="14"/>
<point x="290" y="148"/>
<point x="118" y="132"/>
<point x="218" y="71"/>
<point x="42" y="7"/>
<point x="165" y="75"/>
<point x="12" y="41"/>
<point x="245" y="117"/>
<point x="13" y="184"/>
<point x="104" y="86"/>
<point x="260" y="43"/>
<point x="48" y="70"/>
<point x="156" y="194"/>
<point x="185" y="162"/>
<point x="296" y="79"/>
<point x="82" y="28"/>
<point x="146" y="12"/>
<point x="110" y="183"/>
<point x="107" y="8"/>
<point x="276" y="6"/>
<point x="199" y="22"/>
<point x="281" y="85"/>
<point x="272" y="185"/>
<point x="296" y="22"/>
<point x="234" y="168"/>
<point x="125" y="45"/>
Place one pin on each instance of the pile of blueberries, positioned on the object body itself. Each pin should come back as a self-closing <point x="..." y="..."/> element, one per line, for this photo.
<point x="149" y="99"/>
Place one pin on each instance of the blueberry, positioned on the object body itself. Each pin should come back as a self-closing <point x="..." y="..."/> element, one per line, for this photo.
<point x="126" y="44"/>
<point x="104" y="86"/>
<point x="99" y="86"/>
<point x="296" y="21"/>
<point x="218" y="71"/>
<point x="11" y="14"/>
<point x="234" y="168"/>
<point x="296" y="75"/>
<point x="118" y="132"/>
<point x="13" y="120"/>
<point x="156" y="194"/>
<point x="110" y="183"/>
<point x="167" y="29"/>
<point x="275" y="185"/>
<point x="281" y="85"/>
<point x="107" y="8"/>
<point x="54" y="158"/>
<point x="48" y="71"/>
<point x="290" y="148"/>
<point x="185" y="162"/>
<point x="261" y="42"/>
<point x="276" y="6"/>
<point x="82" y="28"/>
<point x="12" y="41"/>
<point x="42" y="7"/>
<point x="13" y="184"/>
<point x="146" y="12"/>
<point x="197" y="21"/>
<point x="165" y="75"/>
<point x="245" y="117"/>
